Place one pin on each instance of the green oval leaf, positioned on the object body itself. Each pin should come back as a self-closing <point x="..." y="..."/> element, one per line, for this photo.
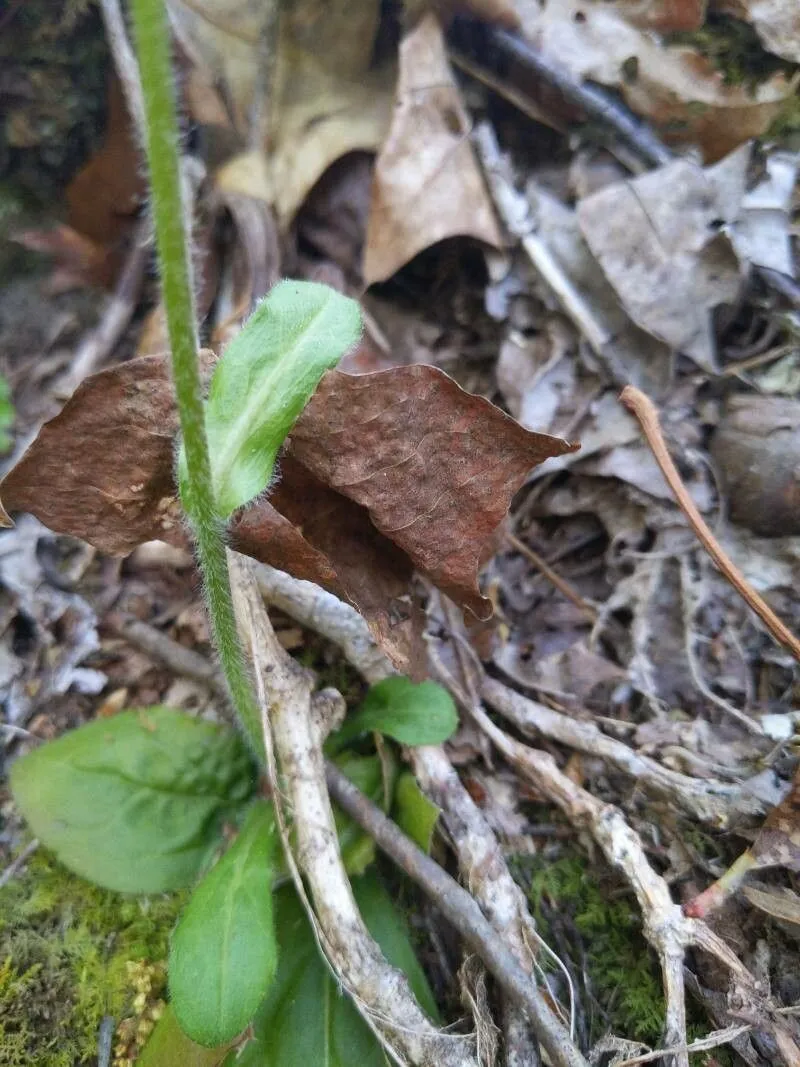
<point x="135" y="802"/>
<point x="306" y="1019"/>
<point x="265" y="378"/>
<point x="423" y="714"/>
<point x="413" y="812"/>
<point x="223" y="954"/>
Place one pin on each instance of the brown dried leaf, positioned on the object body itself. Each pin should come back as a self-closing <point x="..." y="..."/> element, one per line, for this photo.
<point x="101" y="469"/>
<point x="325" y="96"/>
<point x="436" y="467"/>
<point x="658" y="240"/>
<point x="427" y="184"/>
<point x="385" y="473"/>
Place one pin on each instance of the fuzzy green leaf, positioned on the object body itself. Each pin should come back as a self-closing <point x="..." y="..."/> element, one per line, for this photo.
<point x="412" y="714"/>
<point x="168" y="1046"/>
<point x="306" y="1020"/>
<point x="413" y="812"/>
<point x="135" y="802"/>
<point x="223" y="954"/>
<point x="265" y="378"/>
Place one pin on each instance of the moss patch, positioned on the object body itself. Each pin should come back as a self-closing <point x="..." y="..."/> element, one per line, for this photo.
<point x="72" y="954"/>
<point x="622" y="972"/>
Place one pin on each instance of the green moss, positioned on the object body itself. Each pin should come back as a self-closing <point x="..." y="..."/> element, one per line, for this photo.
<point x="622" y="971"/>
<point x="735" y="50"/>
<point x="70" y="954"/>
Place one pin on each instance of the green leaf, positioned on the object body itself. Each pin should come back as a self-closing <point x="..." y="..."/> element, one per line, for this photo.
<point x="389" y="928"/>
<point x="413" y="812"/>
<point x="306" y="1021"/>
<point x="168" y="1046"/>
<point x="421" y="714"/>
<point x="6" y="415"/>
<point x="357" y="847"/>
<point x="223" y="954"/>
<point x="265" y="378"/>
<point x="134" y="803"/>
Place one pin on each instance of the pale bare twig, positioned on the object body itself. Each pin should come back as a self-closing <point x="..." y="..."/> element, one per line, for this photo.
<point x="643" y="408"/>
<point x="709" y="800"/>
<point x="181" y="660"/>
<point x="18" y="862"/>
<point x="702" y="1044"/>
<point x="125" y="63"/>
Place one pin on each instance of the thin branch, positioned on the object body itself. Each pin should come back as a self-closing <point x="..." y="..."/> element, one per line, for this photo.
<point x="703" y="1044"/>
<point x="561" y="584"/>
<point x="461" y="910"/>
<point x="181" y="660"/>
<point x="643" y="408"/>
<point x="18" y="862"/>
<point x="480" y="858"/>
<point x="125" y="63"/>
<point x="102" y="340"/>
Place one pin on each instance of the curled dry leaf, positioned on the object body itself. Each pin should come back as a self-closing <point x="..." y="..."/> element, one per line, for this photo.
<point x="384" y="473"/>
<point x="427" y="184"/>
<point x="674" y="87"/>
<point x="436" y="467"/>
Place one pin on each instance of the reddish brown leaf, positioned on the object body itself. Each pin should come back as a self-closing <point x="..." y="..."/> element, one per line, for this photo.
<point x="436" y="467"/>
<point x="102" y="468"/>
<point x="385" y="473"/>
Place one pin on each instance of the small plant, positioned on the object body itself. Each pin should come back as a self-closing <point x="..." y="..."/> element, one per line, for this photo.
<point x="152" y="800"/>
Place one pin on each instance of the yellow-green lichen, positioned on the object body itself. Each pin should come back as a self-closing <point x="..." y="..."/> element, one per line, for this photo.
<point x="72" y="954"/>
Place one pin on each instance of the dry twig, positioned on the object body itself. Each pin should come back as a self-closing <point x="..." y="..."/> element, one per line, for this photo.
<point x="645" y="411"/>
<point x="711" y="801"/>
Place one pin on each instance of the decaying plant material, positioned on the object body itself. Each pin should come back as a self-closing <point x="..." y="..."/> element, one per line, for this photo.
<point x="537" y="206"/>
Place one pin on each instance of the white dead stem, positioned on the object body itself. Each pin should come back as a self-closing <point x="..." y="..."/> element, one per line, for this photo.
<point x="380" y="991"/>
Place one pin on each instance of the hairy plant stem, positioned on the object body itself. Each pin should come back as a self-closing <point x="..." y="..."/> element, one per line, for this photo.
<point x="151" y="34"/>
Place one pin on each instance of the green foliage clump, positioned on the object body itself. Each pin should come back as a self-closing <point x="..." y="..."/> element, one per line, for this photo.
<point x="622" y="970"/>
<point x="71" y="954"/>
